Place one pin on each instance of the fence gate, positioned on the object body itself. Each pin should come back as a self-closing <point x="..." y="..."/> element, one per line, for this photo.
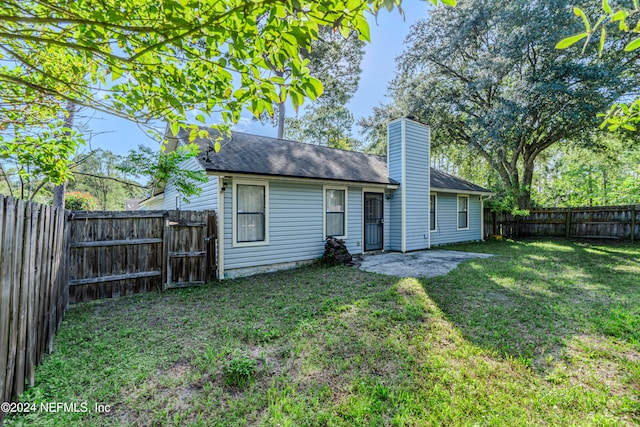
<point x="121" y="253"/>
<point x="190" y="248"/>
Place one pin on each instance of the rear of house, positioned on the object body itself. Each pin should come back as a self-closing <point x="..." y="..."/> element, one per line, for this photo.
<point x="278" y="200"/>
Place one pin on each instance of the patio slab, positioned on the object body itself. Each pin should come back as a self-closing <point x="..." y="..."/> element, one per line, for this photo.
<point x="429" y="263"/>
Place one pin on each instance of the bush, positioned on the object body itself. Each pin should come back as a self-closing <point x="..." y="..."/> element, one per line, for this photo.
<point x="77" y="201"/>
<point x="239" y="371"/>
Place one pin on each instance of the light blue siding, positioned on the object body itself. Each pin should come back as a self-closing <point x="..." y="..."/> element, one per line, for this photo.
<point x="394" y="162"/>
<point x="416" y="186"/>
<point x="387" y="223"/>
<point x="154" y="204"/>
<point x="355" y="220"/>
<point x="408" y="161"/>
<point x="207" y="200"/>
<point x="447" y="220"/>
<point x="295" y="227"/>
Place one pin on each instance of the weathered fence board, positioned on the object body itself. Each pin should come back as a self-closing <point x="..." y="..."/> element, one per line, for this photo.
<point x="603" y="222"/>
<point x="32" y="289"/>
<point x="50" y="257"/>
<point x="121" y="253"/>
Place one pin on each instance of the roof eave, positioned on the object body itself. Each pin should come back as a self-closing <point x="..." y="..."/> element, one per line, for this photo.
<point x="241" y="174"/>
<point x="453" y="190"/>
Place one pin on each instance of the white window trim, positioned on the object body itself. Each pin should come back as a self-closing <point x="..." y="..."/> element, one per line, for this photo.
<point x="324" y="210"/>
<point x="234" y="211"/>
<point x="435" y="212"/>
<point x="460" y="196"/>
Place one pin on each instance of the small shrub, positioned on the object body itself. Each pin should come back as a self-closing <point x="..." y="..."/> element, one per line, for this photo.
<point x="77" y="201"/>
<point x="239" y="371"/>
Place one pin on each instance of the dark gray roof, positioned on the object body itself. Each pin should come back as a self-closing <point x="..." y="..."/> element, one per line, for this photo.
<point x="445" y="181"/>
<point x="260" y="155"/>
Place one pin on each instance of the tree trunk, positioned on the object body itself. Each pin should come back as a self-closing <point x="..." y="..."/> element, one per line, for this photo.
<point x="281" y="111"/>
<point x="59" y="190"/>
<point x="524" y="191"/>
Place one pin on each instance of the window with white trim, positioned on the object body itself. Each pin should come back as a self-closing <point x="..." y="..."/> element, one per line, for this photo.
<point x="463" y="212"/>
<point x="432" y="212"/>
<point x="250" y="213"/>
<point x="335" y="212"/>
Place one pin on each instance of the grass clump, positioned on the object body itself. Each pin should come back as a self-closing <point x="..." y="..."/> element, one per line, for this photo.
<point x="239" y="371"/>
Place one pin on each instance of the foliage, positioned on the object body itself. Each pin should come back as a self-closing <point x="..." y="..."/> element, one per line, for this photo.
<point x="328" y="125"/>
<point x="239" y="371"/>
<point x="36" y="140"/>
<point x="99" y="173"/>
<point x="77" y="201"/>
<point x="544" y="333"/>
<point x="147" y="60"/>
<point x="160" y="167"/>
<point x="620" y="114"/>
<point x="487" y="77"/>
<point x="326" y="121"/>
<point x="607" y="173"/>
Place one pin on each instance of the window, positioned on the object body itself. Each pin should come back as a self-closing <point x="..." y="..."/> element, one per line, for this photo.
<point x="335" y="212"/>
<point x="432" y="212"/>
<point x="250" y="213"/>
<point x="463" y="212"/>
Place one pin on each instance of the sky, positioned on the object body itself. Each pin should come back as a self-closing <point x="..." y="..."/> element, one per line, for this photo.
<point x="378" y="68"/>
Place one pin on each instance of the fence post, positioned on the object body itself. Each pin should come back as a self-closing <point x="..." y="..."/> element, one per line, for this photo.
<point x="633" y="223"/>
<point x="568" y="224"/>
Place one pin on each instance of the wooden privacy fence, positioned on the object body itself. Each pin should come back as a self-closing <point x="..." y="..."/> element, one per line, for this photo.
<point x="607" y="222"/>
<point x="49" y="258"/>
<point x="121" y="253"/>
<point x="33" y="291"/>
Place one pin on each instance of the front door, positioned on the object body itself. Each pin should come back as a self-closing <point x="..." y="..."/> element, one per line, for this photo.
<point x="373" y="221"/>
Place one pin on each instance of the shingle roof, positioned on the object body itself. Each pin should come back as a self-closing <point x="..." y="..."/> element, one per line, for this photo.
<point x="445" y="181"/>
<point x="260" y="155"/>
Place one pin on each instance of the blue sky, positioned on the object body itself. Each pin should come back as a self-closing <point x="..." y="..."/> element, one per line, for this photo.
<point x="378" y="68"/>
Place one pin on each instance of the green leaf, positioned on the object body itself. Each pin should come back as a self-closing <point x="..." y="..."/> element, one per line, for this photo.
<point x="175" y="128"/>
<point x="618" y="16"/>
<point x="606" y="7"/>
<point x="450" y="2"/>
<point x="317" y="86"/>
<point x="200" y="118"/>
<point x="362" y="26"/>
<point x="603" y="37"/>
<point x="569" y="41"/>
<point x="633" y="45"/>
<point x="581" y="14"/>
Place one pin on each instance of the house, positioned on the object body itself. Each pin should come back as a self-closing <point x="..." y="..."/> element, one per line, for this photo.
<point x="278" y="200"/>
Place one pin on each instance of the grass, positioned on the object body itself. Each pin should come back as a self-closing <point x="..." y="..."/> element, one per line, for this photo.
<point x="545" y="333"/>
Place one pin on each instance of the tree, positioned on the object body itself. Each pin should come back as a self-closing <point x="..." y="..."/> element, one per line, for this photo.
<point x="147" y="60"/>
<point x="99" y="173"/>
<point x="621" y="114"/>
<point x="77" y="201"/>
<point x="334" y="60"/>
<point x="328" y="125"/>
<point x="326" y="120"/>
<point x="160" y="167"/>
<point x="606" y="172"/>
<point x="487" y="76"/>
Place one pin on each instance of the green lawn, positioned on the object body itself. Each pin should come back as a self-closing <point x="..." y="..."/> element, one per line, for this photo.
<point x="545" y="333"/>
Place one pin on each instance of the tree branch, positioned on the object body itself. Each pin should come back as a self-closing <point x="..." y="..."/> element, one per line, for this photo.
<point x="121" y="181"/>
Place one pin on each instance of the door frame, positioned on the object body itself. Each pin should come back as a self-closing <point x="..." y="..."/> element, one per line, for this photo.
<point x="364" y="219"/>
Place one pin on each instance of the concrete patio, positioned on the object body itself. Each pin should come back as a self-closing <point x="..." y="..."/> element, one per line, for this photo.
<point x="427" y="263"/>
